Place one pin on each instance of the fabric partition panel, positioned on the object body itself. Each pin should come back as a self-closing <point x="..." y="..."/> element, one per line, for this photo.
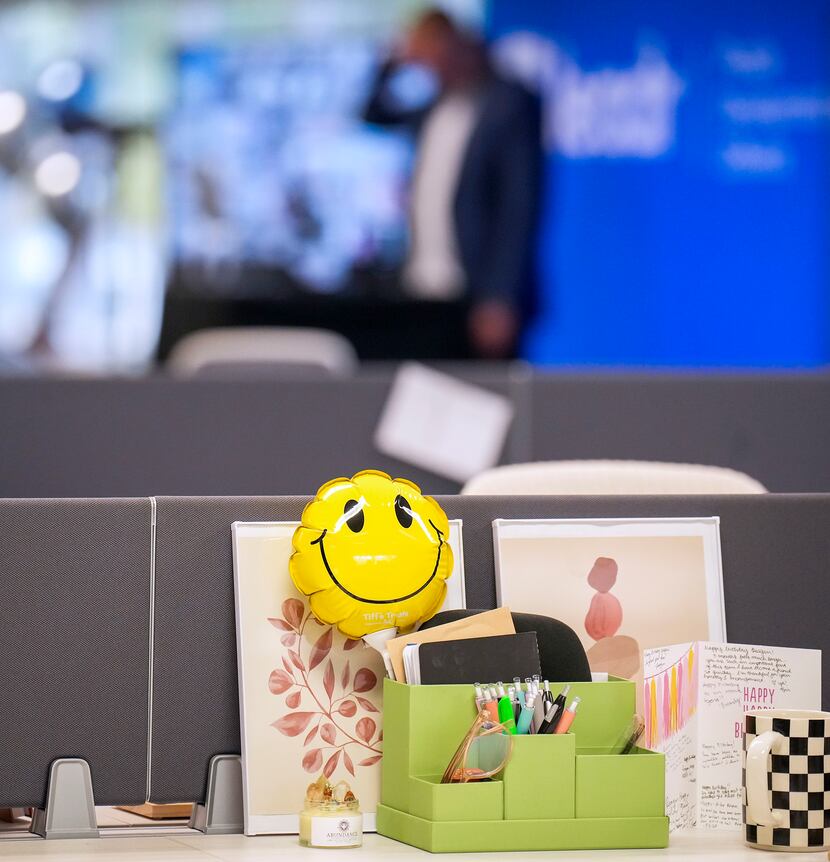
<point x="160" y="435"/>
<point x="195" y="707"/>
<point x="773" y="427"/>
<point x="285" y="436"/>
<point x="770" y="544"/>
<point x="74" y="645"/>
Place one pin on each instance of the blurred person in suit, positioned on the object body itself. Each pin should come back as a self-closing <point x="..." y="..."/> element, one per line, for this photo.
<point x="477" y="184"/>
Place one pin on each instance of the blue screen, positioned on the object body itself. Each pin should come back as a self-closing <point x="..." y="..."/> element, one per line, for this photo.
<point x="686" y="220"/>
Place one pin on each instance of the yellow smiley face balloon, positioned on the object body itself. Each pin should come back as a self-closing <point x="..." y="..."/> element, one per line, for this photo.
<point x="372" y="554"/>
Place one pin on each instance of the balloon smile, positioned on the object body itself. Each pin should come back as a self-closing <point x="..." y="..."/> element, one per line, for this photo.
<point x="423" y="586"/>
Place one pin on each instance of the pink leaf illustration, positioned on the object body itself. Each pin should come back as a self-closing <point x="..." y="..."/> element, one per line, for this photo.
<point x="311" y="734"/>
<point x="321" y="648"/>
<point x="350" y="644"/>
<point x="347" y="708"/>
<point x="296" y="660"/>
<point x="289" y="639"/>
<point x="292" y="610"/>
<point x="370" y="761"/>
<point x="348" y="761"/>
<point x="367" y="705"/>
<point x="365" y="680"/>
<point x="277" y="623"/>
<point x="331" y="764"/>
<point x="366" y="728"/>
<point x="293" y="700"/>
<point x="328" y="679"/>
<point x="313" y="760"/>
<point x="328" y="732"/>
<point x="287" y="667"/>
<point x="279" y="682"/>
<point x="294" y="723"/>
<point x="345" y="677"/>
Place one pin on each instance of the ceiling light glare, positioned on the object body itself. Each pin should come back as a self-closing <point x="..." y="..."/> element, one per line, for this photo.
<point x="12" y="111"/>
<point x="60" y="80"/>
<point x="58" y="174"/>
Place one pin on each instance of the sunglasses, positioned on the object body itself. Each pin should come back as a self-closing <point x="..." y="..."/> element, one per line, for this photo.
<point x="483" y="753"/>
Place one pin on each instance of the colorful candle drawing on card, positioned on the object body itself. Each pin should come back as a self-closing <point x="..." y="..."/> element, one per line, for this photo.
<point x="670" y="699"/>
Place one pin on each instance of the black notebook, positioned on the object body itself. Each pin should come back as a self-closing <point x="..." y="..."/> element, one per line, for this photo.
<point x="500" y="657"/>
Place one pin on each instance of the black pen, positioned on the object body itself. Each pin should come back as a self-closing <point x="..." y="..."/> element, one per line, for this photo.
<point x="555" y="712"/>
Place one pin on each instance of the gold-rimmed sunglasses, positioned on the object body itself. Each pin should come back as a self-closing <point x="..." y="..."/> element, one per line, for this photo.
<point x="483" y="753"/>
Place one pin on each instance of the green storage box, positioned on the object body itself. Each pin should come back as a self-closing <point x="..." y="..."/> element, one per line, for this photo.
<point x="563" y="792"/>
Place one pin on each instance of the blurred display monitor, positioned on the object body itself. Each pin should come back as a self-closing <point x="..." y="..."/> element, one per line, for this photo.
<point x="275" y="181"/>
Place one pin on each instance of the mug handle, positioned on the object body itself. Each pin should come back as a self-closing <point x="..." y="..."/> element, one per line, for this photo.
<point x="757" y="799"/>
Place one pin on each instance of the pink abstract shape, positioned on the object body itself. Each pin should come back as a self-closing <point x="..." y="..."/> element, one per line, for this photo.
<point x="618" y="656"/>
<point x="666" y="707"/>
<point x="681" y="696"/>
<point x="604" y="616"/>
<point x="603" y="574"/>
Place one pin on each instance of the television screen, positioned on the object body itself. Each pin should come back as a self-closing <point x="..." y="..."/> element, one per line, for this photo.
<point x="272" y="167"/>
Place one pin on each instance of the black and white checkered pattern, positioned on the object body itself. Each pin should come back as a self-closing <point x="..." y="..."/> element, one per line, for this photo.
<point x="798" y="782"/>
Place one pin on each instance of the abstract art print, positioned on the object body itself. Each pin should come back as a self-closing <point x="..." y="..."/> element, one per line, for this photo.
<point x="622" y="585"/>
<point x="310" y="698"/>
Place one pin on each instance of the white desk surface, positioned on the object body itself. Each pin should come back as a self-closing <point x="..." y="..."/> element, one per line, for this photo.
<point x="181" y="847"/>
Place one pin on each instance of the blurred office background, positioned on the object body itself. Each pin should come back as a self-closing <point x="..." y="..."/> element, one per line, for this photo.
<point x="170" y="164"/>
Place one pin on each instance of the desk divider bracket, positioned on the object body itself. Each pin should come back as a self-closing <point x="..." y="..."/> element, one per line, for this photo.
<point x="222" y="812"/>
<point x="70" y="803"/>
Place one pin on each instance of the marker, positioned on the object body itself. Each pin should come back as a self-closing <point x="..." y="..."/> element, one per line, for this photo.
<point x="555" y="712"/>
<point x="526" y="717"/>
<point x="506" y="710"/>
<point x="568" y="717"/>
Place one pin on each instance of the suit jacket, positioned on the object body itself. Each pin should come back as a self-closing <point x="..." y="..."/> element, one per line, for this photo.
<point x="499" y="188"/>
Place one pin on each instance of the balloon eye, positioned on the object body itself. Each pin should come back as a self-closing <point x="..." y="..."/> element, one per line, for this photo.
<point x="402" y="511"/>
<point x="356" y="519"/>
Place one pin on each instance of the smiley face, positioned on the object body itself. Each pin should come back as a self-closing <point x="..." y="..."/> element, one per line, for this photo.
<point x="372" y="553"/>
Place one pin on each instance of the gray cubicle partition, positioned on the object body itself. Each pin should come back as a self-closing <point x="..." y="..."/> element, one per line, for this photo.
<point x="74" y="645"/>
<point x="776" y="552"/>
<point x="160" y="435"/>
<point x="157" y="435"/>
<point x="772" y="426"/>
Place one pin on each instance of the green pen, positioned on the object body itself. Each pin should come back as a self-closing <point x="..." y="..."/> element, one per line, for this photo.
<point x="506" y="709"/>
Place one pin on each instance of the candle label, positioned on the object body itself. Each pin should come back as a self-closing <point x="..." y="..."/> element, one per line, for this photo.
<point x="345" y="831"/>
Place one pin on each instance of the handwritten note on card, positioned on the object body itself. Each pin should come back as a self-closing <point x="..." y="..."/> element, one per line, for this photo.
<point x="695" y="696"/>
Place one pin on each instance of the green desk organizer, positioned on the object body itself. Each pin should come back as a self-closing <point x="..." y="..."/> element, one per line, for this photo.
<point x="561" y="792"/>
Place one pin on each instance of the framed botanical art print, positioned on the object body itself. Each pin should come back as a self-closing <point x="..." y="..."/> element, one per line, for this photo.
<point x="309" y="698"/>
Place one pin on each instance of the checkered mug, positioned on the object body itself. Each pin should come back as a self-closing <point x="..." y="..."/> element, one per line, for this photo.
<point x="786" y="780"/>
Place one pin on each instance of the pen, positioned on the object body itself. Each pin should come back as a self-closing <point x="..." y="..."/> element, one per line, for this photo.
<point x="634" y="732"/>
<point x="514" y="701"/>
<point x="526" y="716"/>
<point x="519" y="693"/>
<point x="492" y="704"/>
<point x="555" y="712"/>
<point x="568" y="717"/>
<point x="480" y="699"/>
<point x="540" y="707"/>
<point x="548" y="696"/>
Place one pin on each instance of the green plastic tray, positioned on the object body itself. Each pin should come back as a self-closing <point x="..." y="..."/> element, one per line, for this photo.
<point x="563" y="792"/>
